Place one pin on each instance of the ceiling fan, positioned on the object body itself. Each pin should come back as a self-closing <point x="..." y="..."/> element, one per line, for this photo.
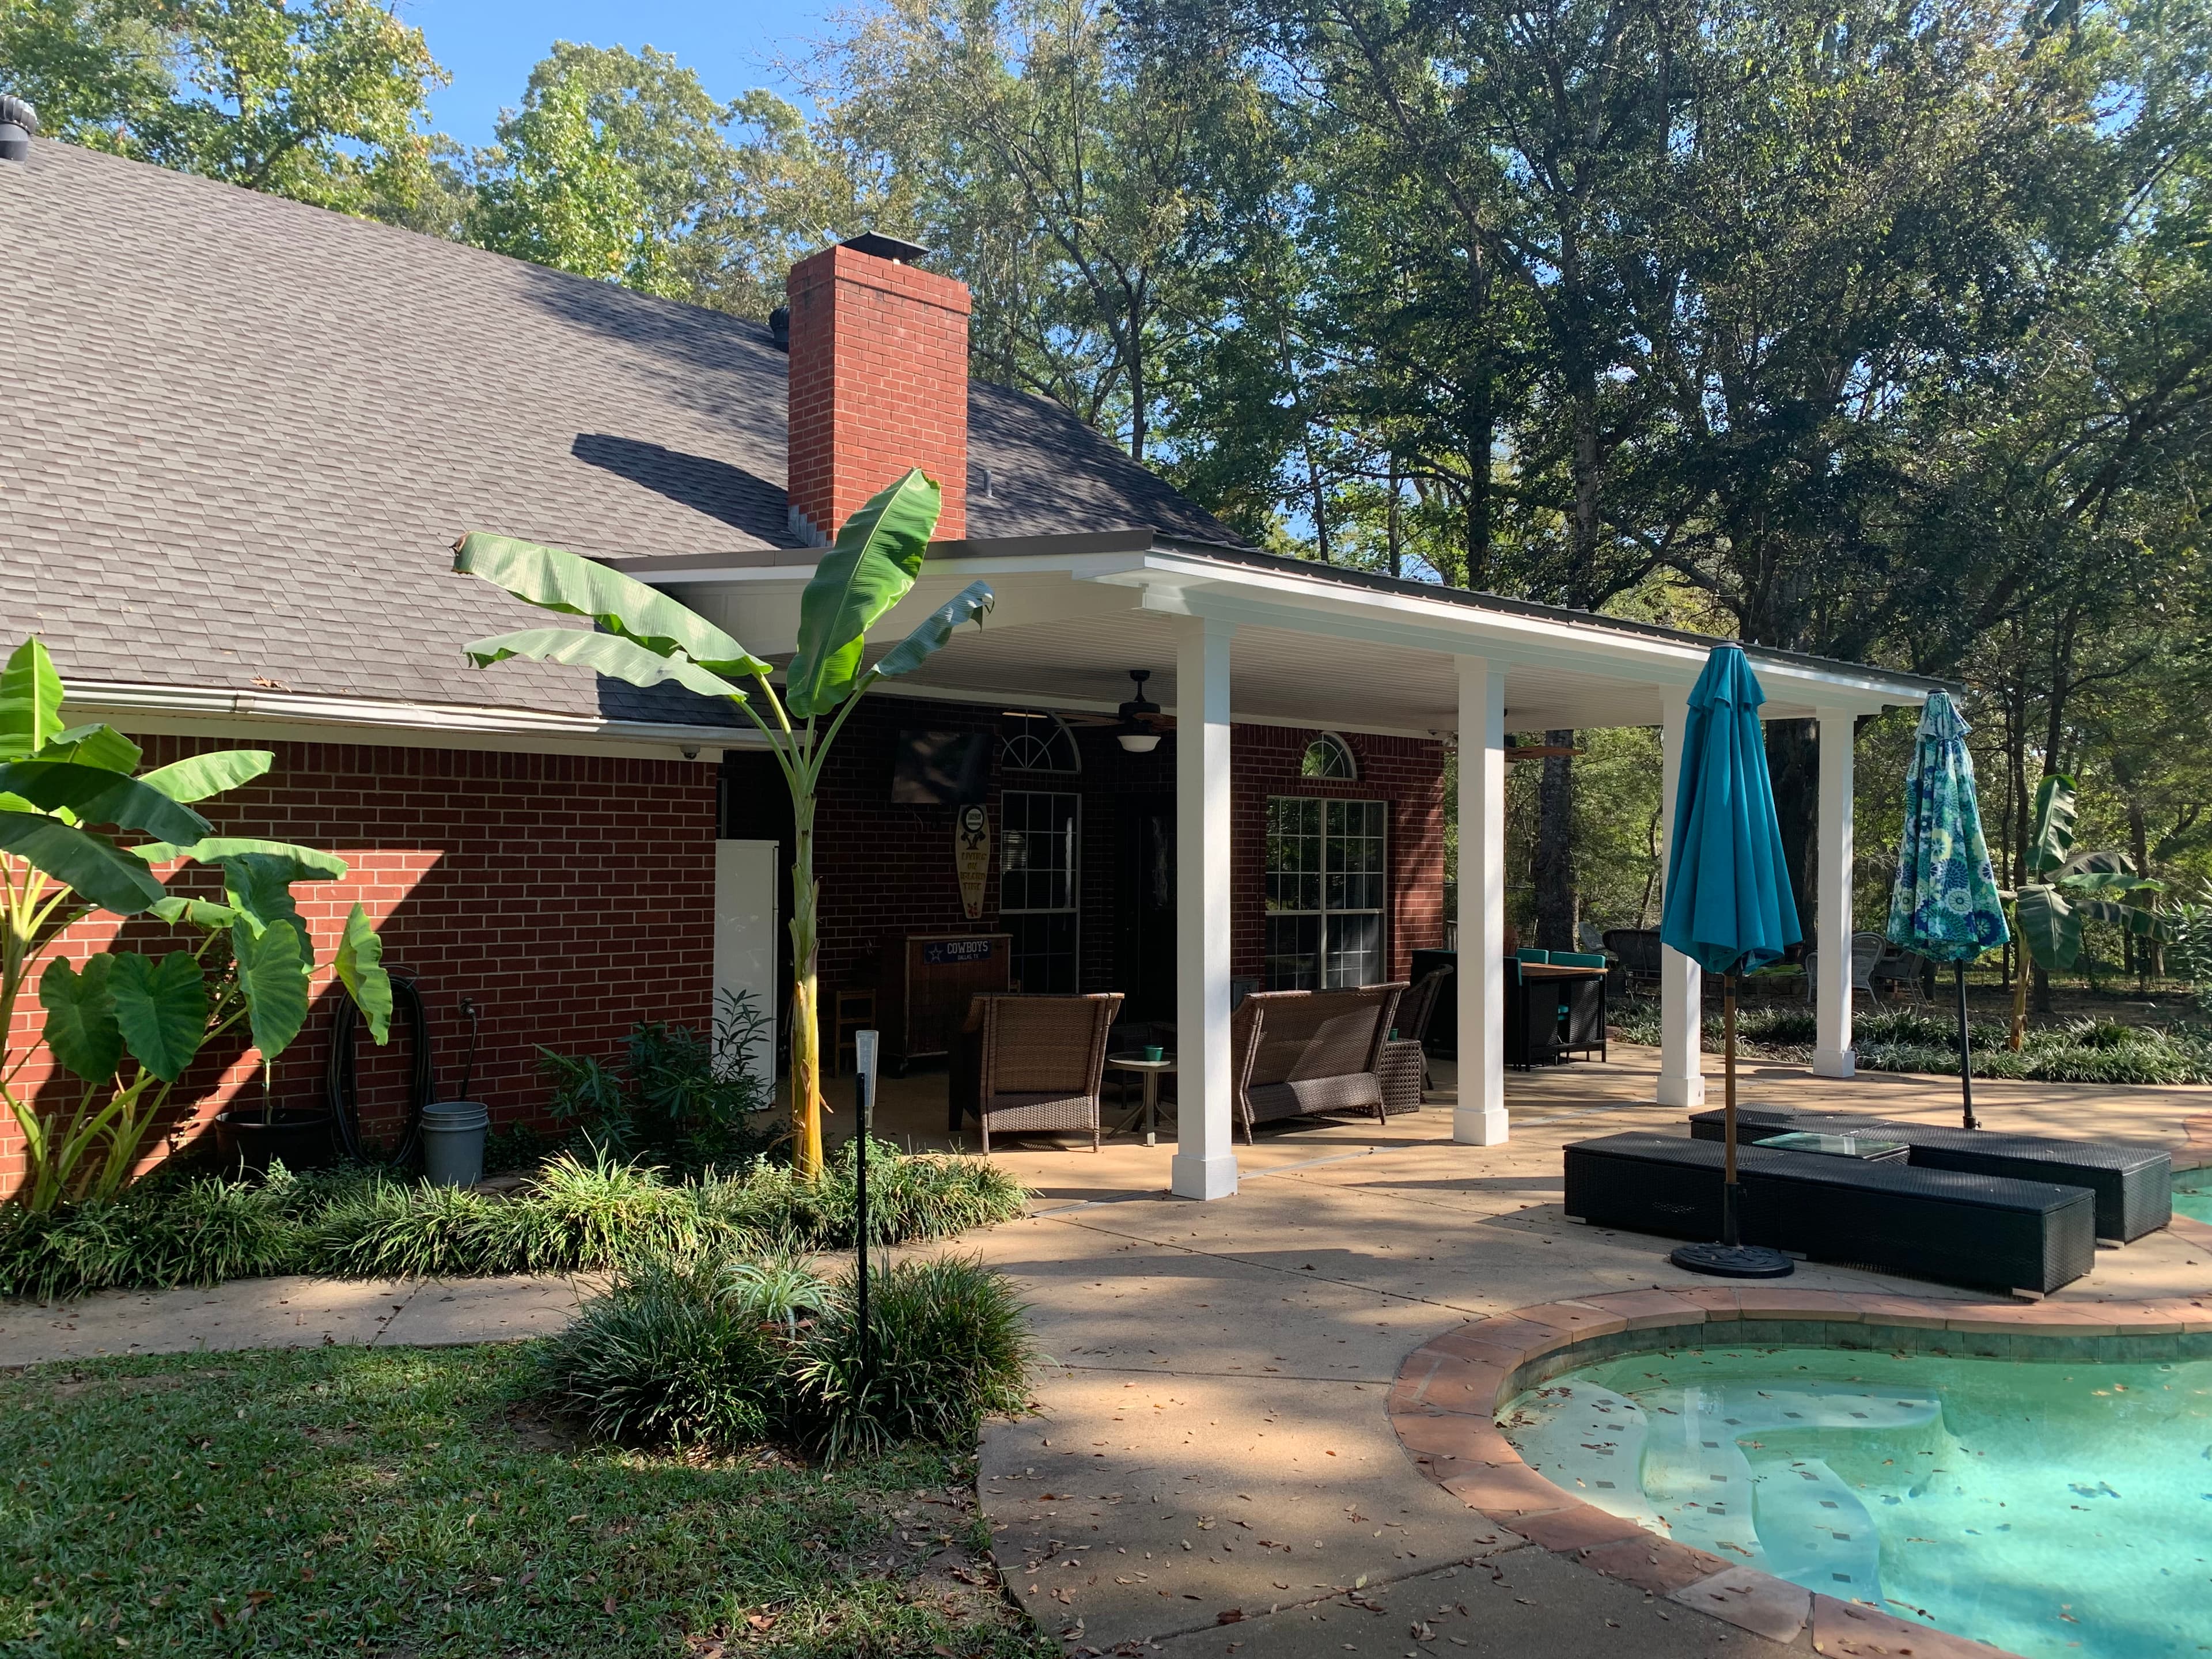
<point x="1138" y="724"/>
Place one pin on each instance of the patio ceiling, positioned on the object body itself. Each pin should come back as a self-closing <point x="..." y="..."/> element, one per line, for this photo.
<point x="1311" y="649"/>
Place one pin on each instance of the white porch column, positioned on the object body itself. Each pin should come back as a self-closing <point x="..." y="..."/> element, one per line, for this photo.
<point x="1681" y="982"/>
<point x="1480" y="1117"/>
<point x="1831" y="1054"/>
<point x="1204" y="1164"/>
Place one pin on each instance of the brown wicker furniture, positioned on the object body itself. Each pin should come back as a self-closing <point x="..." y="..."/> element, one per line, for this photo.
<point x="1297" y="1051"/>
<point x="1033" y="1063"/>
<point x="928" y="981"/>
<point x="1398" y="1071"/>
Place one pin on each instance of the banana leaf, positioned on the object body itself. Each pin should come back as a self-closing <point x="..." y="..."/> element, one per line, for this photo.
<point x="874" y="566"/>
<point x="935" y="631"/>
<point x="99" y="871"/>
<point x="558" y="581"/>
<point x="30" y="701"/>
<point x="95" y="795"/>
<point x="610" y="654"/>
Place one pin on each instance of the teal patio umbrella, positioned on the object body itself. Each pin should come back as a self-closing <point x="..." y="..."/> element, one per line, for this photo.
<point x="1944" y="904"/>
<point x="1729" y="902"/>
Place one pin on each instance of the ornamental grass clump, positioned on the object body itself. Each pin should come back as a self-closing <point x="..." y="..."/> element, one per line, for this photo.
<point x="687" y="1349"/>
<point x="710" y="1351"/>
<point x="946" y="1348"/>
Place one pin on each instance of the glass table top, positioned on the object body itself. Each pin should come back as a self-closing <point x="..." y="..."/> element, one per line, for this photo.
<point x="1861" y="1146"/>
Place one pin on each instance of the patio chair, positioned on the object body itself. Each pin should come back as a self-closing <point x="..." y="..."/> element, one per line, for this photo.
<point x="1297" y="1052"/>
<point x="1636" y="949"/>
<point x="1905" y="972"/>
<point x="1582" y="1006"/>
<point x="1029" y="1063"/>
<point x="1402" y="1066"/>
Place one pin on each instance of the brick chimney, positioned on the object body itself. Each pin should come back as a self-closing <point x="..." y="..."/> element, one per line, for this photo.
<point x="879" y="382"/>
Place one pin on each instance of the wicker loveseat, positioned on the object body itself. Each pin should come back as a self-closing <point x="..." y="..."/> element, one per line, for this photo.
<point x="1029" y="1063"/>
<point x="1296" y="1052"/>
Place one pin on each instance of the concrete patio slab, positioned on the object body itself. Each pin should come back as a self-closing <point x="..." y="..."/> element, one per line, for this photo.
<point x="290" y="1312"/>
<point x="1511" y="1606"/>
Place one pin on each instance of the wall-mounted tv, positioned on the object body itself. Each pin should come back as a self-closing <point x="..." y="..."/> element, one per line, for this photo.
<point x="941" y="769"/>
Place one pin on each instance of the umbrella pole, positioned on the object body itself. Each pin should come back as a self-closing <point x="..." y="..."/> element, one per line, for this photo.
<point x="1965" y="1052"/>
<point x="1729" y="1235"/>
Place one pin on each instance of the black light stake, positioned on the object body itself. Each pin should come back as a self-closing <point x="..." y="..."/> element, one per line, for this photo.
<point x="863" y="1101"/>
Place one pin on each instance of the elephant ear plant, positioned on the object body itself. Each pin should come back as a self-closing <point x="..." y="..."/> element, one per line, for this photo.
<point x="127" y="1024"/>
<point x="645" y="638"/>
<point x="2063" y="887"/>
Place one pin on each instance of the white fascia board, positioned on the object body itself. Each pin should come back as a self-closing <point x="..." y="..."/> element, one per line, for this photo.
<point x="1277" y="599"/>
<point x="307" y="717"/>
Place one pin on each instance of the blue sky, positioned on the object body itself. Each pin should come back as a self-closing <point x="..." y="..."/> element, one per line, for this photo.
<point x="489" y="45"/>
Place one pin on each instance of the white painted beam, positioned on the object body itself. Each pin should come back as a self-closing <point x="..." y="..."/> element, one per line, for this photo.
<point x="1204" y="1164"/>
<point x="1480" y="1117"/>
<point x="1833" y="1055"/>
<point x="1681" y="982"/>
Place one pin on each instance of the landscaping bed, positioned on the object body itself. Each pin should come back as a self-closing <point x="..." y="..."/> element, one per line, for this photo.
<point x="424" y="1501"/>
<point x="1926" y="1039"/>
<point x="574" y="1214"/>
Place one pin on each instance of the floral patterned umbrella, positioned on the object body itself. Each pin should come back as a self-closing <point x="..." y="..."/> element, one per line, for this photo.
<point x="1945" y="904"/>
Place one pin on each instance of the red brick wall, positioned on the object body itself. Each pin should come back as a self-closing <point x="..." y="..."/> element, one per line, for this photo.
<point x="879" y="384"/>
<point x="570" y="897"/>
<point x="1406" y="772"/>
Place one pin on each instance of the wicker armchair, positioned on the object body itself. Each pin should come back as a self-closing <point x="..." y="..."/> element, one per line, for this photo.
<point x="1032" y="1063"/>
<point x="1637" y="949"/>
<point x="1402" y="1063"/>
<point x="1296" y="1052"/>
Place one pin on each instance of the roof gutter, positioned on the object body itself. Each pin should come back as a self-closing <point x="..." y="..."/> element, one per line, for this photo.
<point x="133" y="705"/>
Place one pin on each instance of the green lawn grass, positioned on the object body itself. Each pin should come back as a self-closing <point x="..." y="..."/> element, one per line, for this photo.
<point x="413" y="1502"/>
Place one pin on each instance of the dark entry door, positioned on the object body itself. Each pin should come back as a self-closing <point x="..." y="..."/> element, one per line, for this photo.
<point x="1144" y="907"/>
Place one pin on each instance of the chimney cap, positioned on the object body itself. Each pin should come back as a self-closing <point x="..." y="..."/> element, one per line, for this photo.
<point x="877" y="245"/>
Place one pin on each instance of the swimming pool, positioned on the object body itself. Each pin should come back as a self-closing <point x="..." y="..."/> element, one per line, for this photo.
<point x="2060" y="1511"/>
<point x="2192" y="1194"/>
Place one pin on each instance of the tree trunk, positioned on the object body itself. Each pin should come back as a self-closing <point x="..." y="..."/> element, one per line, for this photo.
<point x="1793" y="758"/>
<point x="1553" y="870"/>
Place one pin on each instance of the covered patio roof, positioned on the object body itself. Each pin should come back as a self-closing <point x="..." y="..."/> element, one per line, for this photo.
<point x="1314" y="645"/>
<point x="1232" y="635"/>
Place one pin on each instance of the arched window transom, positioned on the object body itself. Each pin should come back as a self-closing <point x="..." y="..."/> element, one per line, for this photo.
<point x="1329" y="756"/>
<point x="1039" y="743"/>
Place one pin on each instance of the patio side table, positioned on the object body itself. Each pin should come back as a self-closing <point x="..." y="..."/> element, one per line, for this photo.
<point x="1152" y="1070"/>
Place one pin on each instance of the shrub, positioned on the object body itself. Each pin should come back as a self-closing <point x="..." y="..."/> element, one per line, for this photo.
<point x="578" y="1217"/>
<point x="947" y="1347"/>
<point x="676" y="1096"/>
<point x="164" y="1232"/>
<point x="393" y="1229"/>
<point x="911" y="1196"/>
<point x="685" y="1351"/>
<point x="703" y="1349"/>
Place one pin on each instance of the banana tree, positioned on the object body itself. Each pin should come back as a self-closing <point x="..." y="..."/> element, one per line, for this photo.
<point x="2064" y="887"/>
<point x="645" y="638"/>
<point x="127" y="1024"/>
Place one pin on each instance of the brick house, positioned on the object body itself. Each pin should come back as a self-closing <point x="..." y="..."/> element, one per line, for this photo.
<point x="243" y="432"/>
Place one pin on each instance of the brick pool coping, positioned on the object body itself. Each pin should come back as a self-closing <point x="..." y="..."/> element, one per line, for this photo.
<point x="1445" y="1402"/>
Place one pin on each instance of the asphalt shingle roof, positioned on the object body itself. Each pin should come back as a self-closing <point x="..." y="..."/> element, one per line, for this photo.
<point x="238" y="436"/>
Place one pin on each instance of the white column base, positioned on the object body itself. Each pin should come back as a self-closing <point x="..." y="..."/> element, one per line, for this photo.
<point x="1477" y="1126"/>
<point x="1192" y="1177"/>
<point x="1681" y="1091"/>
<point x="1835" y="1062"/>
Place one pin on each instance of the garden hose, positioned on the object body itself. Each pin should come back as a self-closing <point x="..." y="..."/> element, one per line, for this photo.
<point x="340" y="1086"/>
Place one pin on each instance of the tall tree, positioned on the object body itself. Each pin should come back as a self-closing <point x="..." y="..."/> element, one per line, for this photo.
<point x="322" y="100"/>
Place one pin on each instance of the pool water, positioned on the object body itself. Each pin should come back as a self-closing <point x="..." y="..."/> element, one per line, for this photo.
<point x="2195" y="1200"/>
<point x="2060" y="1511"/>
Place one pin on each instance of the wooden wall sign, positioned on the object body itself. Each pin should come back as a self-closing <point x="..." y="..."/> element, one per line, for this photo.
<point x="971" y="856"/>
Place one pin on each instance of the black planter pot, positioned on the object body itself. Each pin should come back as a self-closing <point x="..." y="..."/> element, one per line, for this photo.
<point x="297" y="1139"/>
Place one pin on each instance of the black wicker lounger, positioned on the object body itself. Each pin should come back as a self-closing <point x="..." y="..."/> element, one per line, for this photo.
<point x="1986" y="1231"/>
<point x="2133" y="1180"/>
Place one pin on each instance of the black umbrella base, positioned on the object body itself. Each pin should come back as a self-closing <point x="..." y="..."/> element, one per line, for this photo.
<point x="1733" y="1260"/>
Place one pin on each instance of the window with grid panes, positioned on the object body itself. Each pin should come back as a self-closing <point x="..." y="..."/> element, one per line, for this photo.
<point x="1037" y="885"/>
<point x="1325" y="893"/>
